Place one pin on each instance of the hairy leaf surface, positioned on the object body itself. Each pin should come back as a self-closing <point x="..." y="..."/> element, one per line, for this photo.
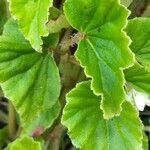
<point x="139" y="31"/>
<point x="24" y="143"/>
<point x="90" y="131"/>
<point x="139" y="77"/>
<point x="32" y="16"/>
<point x="29" y="79"/>
<point x="104" y="50"/>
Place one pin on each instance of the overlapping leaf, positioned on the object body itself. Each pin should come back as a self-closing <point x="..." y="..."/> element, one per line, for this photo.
<point x="139" y="77"/>
<point x="139" y="74"/>
<point x="104" y="50"/>
<point x="24" y="143"/>
<point x="29" y="79"/>
<point x="90" y="131"/>
<point x="139" y="31"/>
<point x="32" y="16"/>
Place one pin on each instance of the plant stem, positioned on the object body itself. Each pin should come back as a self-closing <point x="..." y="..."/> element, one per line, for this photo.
<point x="138" y="7"/>
<point x="54" y="138"/>
<point x="12" y="121"/>
<point x="71" y="41"/>
<point x="7" y="9"/>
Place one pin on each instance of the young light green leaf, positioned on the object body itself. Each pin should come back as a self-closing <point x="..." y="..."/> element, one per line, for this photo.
<point x="29" y="79"/>
<point x="58" y="24"/>
<point x="104" y="50"/>
<point x="139" y="31"/>
<point x="32" y="17"/>
<point x="88" y="129"/>
<point x="139" y="77"/>
<point x="24" y="143"/>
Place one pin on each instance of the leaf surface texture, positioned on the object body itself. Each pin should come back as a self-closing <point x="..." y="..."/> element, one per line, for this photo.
<point x="104" y="50"/>
<point x="29" y="79"/>
<point x="32" y="16"/>
<point x="88" y="129"/>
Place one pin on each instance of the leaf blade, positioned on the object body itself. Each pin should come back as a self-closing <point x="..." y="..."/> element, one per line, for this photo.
<point x="100" y="53"/>
<point x="43" y="121"/>
<point x="29" y="79"/>
<point x="89" y="130"/>
<point x="24" y="143"/>
<point x="32" y="18"/>
<point x="141" y="39"/>
<point x="139" y="77"/>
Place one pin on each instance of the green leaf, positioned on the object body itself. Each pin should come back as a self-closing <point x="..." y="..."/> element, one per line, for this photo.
<point x="139" y="31"/>
<point x="29" y="79"/>
<point x="24" y="143"/>
<point x="145" y="144"/>
<point x="104" y="50"/>
<point x="139" y="77"/>
<point x="43" y="121"/>
<point x="32" y="16"/>
<point x="90" y="131"/>
<point x="51" y="41"/>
